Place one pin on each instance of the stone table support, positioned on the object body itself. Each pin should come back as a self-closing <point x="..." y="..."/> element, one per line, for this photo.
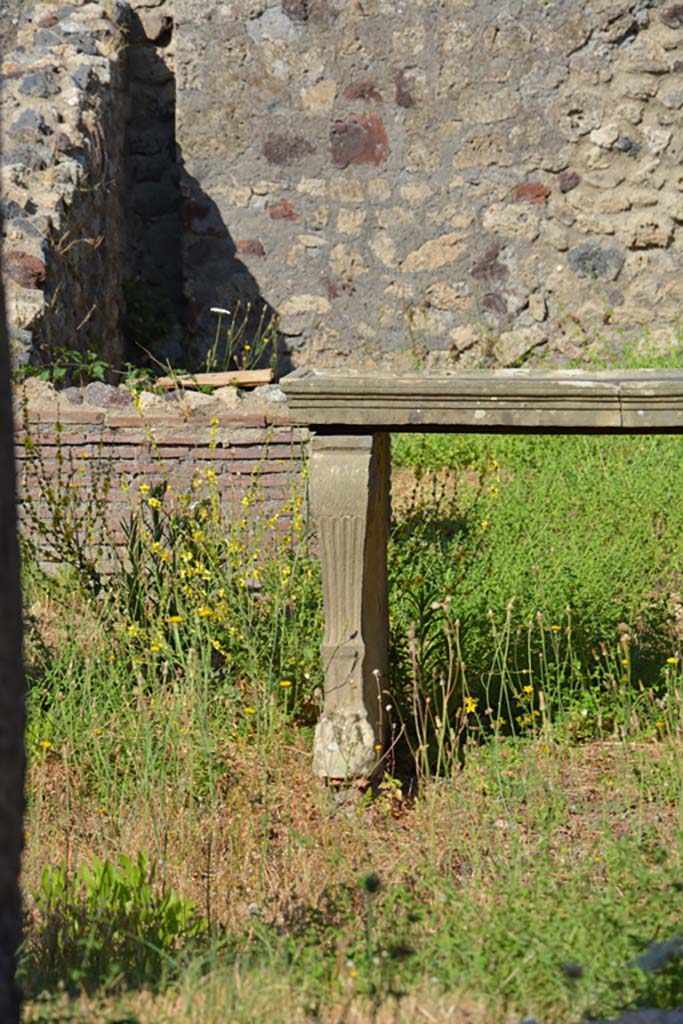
<point x="350" y="503"/>
<point x="351" y="414"/>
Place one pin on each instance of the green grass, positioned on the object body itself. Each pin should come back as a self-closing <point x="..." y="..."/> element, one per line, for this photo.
<point x="585" y="531"/>
<point x="524" y="846"/>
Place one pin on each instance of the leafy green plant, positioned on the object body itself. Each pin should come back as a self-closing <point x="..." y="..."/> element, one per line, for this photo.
<point x="68" y="366"/>
<point x="110" y="924"/>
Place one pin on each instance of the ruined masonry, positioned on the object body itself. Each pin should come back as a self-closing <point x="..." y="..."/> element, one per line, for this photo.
<point x="403" y="183"/>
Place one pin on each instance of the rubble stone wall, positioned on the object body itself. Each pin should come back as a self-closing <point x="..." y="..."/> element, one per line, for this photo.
<point x="63" y="167"/>
<point x="404" y="183"/>
<point x="427" y="180"/>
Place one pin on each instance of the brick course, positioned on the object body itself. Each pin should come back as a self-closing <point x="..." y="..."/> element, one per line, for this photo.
<point x="250" y="451"/>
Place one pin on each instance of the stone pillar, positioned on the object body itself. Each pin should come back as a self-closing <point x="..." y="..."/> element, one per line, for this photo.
<point x="350" y="477"/>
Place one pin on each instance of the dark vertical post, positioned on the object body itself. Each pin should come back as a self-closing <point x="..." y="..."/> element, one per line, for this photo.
<point x="12" y="700"/>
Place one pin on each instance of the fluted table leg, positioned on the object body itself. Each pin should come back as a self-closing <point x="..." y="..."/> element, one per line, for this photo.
<point x="350" y="479"/>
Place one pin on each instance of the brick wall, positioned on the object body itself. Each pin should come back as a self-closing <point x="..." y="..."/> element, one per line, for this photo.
<point x="75" y="450"/>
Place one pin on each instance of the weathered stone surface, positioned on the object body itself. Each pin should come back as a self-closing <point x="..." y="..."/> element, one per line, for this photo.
<point x="286" y="149"/>
<point x="437" y="253"/>
<point x="40" y="85"/>
<point x="531" y="192"/>
<point x="404" y="93"/>
<point x="26" y="270"/>
<point x="672" y="16"/>
<point x="363" y="90"/>
<point x="514" y="219"/>
<point x="319" y="97"/>
<point x="590" y="259"/>
<point x="73" y="395"/>
<point x="611" y="401"/>
<point x="606" y="136"/>
<point x="106" y="396"/>
<point x="350" y="502"/>
<point x="443" y="295"/>
<point x="538" y="307"/>
<point x="300" y="304"/>
<point x="361" y="139"/>
<point x="514" y="347"/>
<point x="283" y="210"/>
<point x="250" y="247"/>
<point x="649" y="232"/>
<point x="148" y="402"/>
<point x="36" y="392"/>
<point x="197" y="403"/>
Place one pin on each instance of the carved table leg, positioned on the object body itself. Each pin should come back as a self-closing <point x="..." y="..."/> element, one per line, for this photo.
<point x="350" y="478"/>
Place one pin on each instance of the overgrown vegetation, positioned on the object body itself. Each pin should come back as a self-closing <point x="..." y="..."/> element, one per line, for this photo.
<point x="568" y="546"/>
<point x="522" y="851"/>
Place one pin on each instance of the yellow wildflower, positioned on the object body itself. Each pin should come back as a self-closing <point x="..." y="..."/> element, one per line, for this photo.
<point x="484" y="524"/>
<point x="45" y="744"/>
<point x="204" y="613"/>
<point x="174" y="618"/>
<point x="249" y="711"/>
<point x="286" y="682"/>
<point x="556" y="629"/>
<point x="154" y="648"/>
<point x="471" y="704"/>
<point x="528" y="689"/>
<point x="672" y="661"/>
<point x="154" y="503"/>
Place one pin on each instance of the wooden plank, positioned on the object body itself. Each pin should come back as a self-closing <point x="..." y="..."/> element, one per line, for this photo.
<point x="238" y="378"/>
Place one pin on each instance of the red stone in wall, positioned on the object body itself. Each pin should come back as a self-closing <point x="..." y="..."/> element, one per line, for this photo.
<point x="531" y="192"/>
<point x="24" y="269"/>
<point x="362" y="139"/>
